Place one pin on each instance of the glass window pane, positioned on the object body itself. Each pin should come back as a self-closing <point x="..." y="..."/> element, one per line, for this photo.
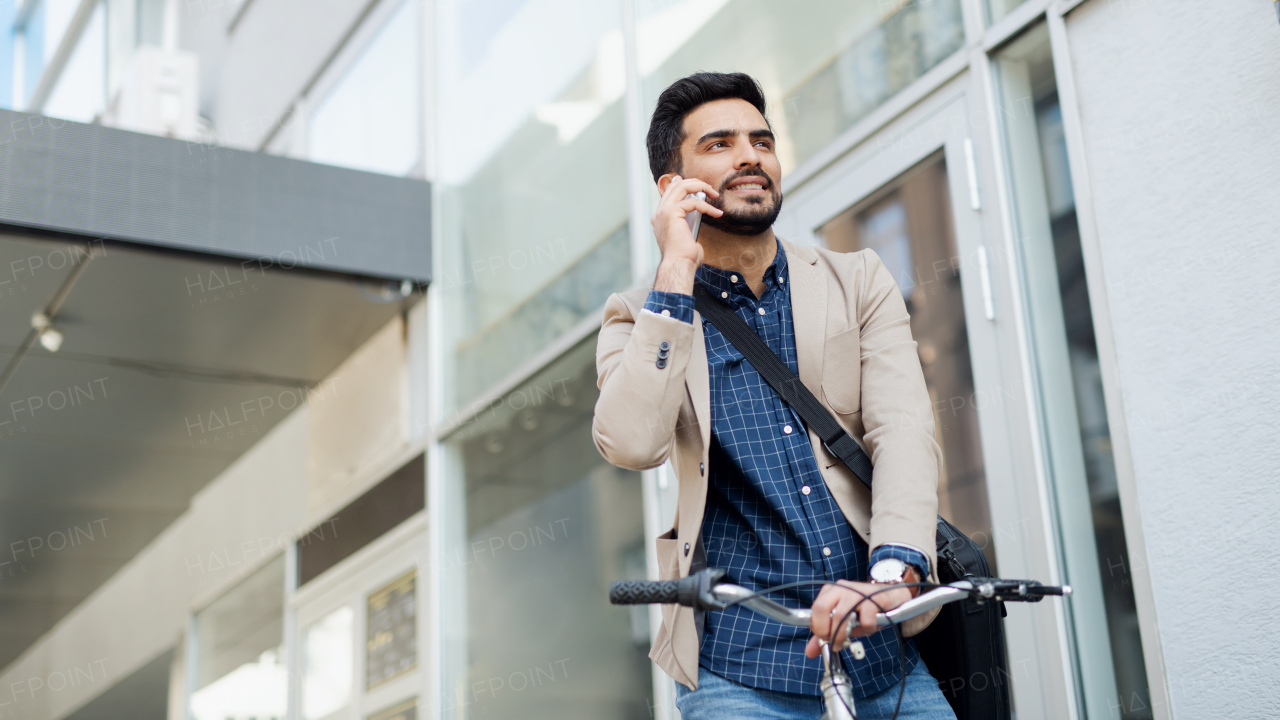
<point x="997" y="9"/>
<point x="240" y="665"/>
<point x="57" y="18"/>
<point x="549" y="525"/>
<point x="370" y="120"/>
<point x="1068" y="378"/>
<point x="532" y="184"/>
<point x="909" y="226"/>
<point x="81" y="91"/>
<point x="824" y="64"/>
<point x="327" y="664"/>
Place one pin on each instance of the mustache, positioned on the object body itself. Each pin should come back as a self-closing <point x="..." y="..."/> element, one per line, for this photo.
<point x="749" y="172"/>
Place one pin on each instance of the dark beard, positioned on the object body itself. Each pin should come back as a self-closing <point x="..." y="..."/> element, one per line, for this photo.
<point x="750" y="221"/>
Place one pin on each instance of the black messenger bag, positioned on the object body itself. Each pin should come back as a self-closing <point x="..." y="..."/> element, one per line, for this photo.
<point x="964" y="646"/>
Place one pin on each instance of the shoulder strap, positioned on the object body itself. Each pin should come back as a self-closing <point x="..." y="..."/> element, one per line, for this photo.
<point x="783" y="381"/>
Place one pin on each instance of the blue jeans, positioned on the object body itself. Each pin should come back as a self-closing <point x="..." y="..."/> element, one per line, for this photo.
<point x="719" y="699"/>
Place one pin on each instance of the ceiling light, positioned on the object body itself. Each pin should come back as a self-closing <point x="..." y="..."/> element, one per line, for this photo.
<point x="51" y="339"/>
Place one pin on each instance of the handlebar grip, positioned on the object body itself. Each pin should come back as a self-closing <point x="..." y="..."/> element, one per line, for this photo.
<point x="644" y="592"/>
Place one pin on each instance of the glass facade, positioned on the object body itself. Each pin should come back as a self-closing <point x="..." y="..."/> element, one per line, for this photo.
<point x="1068" y="378"/>
<point x="81" y="90"/>
<point x="548" y="525"/>
<point x="371" y="119"/>
<point x="998" y="9"/>
<point x="532" y="181"/>
<point x="824" y="65"/>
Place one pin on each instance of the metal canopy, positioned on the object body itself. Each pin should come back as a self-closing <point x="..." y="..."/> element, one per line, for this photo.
<point x="100" y="182"/>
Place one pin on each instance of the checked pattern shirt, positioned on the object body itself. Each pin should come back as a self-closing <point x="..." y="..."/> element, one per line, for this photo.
<point x="770" y="518"/>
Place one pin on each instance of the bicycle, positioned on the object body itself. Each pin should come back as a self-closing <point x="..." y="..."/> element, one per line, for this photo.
<point x="705" y="591"/>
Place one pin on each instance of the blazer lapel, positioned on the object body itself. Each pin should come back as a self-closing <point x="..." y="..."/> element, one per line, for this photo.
<point x="809" y="311"/>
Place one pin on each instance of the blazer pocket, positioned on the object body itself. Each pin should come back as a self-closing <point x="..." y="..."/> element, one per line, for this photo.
<point x="668" y="549"/>
<point x="842" y="371"/>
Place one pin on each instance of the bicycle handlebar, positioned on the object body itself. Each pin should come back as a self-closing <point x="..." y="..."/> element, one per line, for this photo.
<point x="704" y="591"/>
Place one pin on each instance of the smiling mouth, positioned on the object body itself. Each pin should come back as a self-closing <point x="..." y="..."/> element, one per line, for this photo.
<point x="749" y="186"/>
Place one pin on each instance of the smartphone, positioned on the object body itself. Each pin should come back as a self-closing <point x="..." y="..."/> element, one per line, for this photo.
<point x="695" y="218"/>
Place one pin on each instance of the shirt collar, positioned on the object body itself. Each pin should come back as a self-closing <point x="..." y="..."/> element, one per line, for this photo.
<point x="719" y="281"/>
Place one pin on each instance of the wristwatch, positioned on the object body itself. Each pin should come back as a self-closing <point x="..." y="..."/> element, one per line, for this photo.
<point x="889" y="571"/>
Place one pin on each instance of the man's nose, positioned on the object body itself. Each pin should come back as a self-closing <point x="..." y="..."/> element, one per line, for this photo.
<point x="747" y="156"/>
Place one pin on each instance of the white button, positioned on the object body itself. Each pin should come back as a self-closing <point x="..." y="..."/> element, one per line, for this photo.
<point x="667" y="313"/>
<point x="786" y="429"/>
<point x="724" y="294"/>
<point x="761" y="311"/>
<point x="733" y="278"/>
<point x="805" y="489"/>
<point x="826" y="551"/>
<point x="782" y="280"/>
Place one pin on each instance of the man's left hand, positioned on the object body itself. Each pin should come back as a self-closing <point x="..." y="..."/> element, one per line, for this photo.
<point x="835" y="601"/>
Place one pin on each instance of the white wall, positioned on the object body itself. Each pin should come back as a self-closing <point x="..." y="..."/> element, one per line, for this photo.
<point x="1179" y="102"/>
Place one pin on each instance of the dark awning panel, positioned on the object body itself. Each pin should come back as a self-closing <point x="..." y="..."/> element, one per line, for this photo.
<point x="106" y="183"/>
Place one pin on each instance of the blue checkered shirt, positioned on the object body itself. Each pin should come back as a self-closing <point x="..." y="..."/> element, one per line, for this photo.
<point x="770" y="518"/>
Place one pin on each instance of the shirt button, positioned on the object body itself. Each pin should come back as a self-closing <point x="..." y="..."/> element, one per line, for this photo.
<point x="826" y="551"/>
<point x="666" y="313"/>
<point x="805" y="490"/>
<point x="761" y="311"/>
<point x="782" y="280"/>
<point x="786" y="429"/>
<point x="724" y="294"/>
<point x="733" y="278"/>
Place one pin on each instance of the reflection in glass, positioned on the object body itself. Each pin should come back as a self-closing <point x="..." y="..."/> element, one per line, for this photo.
<point x="908" y="224"/>
<point x="532" y="188"/>
<point x="824" y="64"/>
<point x="549" y="525"/>
<point x="370" y="120"/>
<point x="327" y="660"/>
<point x="997" y="9"/>
<point x="1109" y="660"/>
<point x="240" y="667"/>
<point x="80" y="93"/>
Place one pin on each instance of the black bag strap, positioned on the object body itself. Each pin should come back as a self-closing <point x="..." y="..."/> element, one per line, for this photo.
<point x="783" y="381"/>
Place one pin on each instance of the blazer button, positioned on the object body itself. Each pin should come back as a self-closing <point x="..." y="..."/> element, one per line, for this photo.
<point x="664" y="345"/>
<point x="662" y="362"/>
<point x="686" y="549"/>
<point x="702" y="469"/>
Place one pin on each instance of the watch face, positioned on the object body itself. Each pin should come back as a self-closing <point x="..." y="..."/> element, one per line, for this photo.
<point x="889" y="570"/>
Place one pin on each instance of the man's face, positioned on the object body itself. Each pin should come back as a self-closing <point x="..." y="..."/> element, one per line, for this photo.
<point x="729" y="146"/>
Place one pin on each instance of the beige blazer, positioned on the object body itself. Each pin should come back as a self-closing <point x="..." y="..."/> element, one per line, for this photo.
<point x="855" y="352"/>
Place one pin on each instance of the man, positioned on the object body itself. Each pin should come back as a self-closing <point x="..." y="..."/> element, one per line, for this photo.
<point x="758" y="495"/>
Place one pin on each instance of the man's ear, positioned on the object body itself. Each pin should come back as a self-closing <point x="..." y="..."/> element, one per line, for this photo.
<point x="664" y="182"/>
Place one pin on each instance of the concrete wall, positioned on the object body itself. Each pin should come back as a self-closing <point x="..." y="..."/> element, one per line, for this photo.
<point x="1178" y="104"/>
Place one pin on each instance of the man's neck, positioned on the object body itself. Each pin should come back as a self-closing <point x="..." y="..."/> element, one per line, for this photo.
<point x="747" y="255"/>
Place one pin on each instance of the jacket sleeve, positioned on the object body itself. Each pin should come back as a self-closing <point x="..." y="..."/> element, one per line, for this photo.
<point x="635" y="416"/>
<point x="897" y="415"/>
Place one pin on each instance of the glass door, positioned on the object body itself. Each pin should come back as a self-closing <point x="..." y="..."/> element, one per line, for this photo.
<point x="911" y="193"/>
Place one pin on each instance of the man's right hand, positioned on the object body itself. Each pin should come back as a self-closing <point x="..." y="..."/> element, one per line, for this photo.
<point x="681" y="254"/>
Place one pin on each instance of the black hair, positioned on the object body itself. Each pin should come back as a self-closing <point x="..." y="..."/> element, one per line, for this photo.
<point x="666" y="128"/>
